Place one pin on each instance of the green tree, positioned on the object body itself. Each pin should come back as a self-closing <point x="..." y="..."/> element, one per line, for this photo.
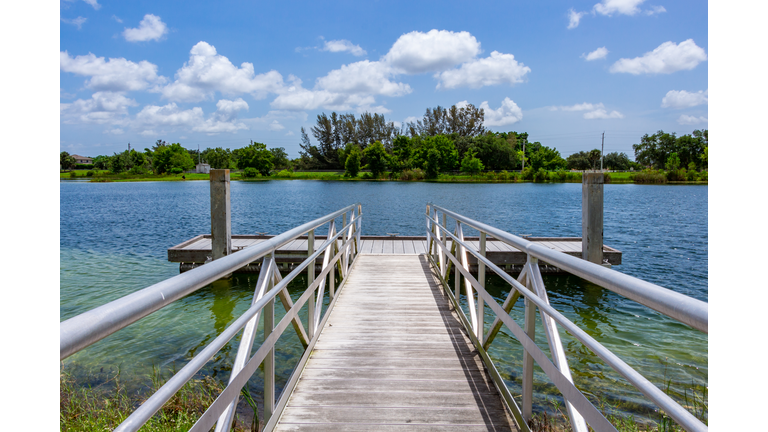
<point x="66" y="161"/>
<point x="101" y="162"/>
<point x="256" y="155"/>
<point x="377" y="158"/>
<point x="280" y="158"/>
<point x="673" y="162"/>
<point x="616" y="161"/>
<point x="578" y="161"/>
<point x="218" y="158"/>
<point x="167" y="157"/>
<point x="352" y="164"/>
<point x="432" y="164"/>
<point x="470" y="164"/>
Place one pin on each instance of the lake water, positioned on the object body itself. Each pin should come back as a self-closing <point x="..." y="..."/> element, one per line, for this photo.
<point x="114" y="238"/>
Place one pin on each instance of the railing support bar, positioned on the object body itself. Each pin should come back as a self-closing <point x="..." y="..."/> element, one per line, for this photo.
<point x="310" y="279"/>
<point x="530" y="331"/>
<point x="553" y="339"/>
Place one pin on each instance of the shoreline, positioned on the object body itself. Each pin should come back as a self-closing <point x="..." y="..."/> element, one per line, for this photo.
<point x="486" y="178"/>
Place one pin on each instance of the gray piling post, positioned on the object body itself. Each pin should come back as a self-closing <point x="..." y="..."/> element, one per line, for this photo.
<point x="592" y="217"/>
<point x="221" y="216"/>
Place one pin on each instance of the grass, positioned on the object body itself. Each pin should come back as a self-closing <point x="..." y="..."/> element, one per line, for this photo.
<point x="696" y="403"/>
<point x="104" y="407"/>
<point x="541" y="176"/>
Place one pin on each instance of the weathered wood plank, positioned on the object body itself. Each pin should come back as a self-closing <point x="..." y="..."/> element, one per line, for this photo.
<point x="375" y="415"/>
<point x="393" y="355"/>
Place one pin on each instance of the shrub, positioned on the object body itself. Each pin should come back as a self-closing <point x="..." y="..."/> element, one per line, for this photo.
<point x="541" y="175"/>
<point x="352" y="164"/>
<point x="89" y="174"/>
<point x="559" y="175"/>
<point x="72" y="174"/>
<point x="606" y="178"/>
<point x="703" y="176"/>
<point x="367" y="176"/>
<point x="527" y="174"/>
<point x="84" y="166"/>
<point x="650" y="176"/>
<point x="414" y="174"/>
<point x="250" y="172"/>
<point x="284" y="173"/>
<point x="504" y="175"/>
<point x="692" y="175"/>
<point x="176" y="170"/>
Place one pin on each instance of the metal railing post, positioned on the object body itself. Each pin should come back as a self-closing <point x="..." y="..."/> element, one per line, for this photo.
<point x="269" y="361"/>
<point x="457" y="278"/>
<point x="310" y="279"/>
<point x="530" y="330"/>
<point x="480" y="330"/>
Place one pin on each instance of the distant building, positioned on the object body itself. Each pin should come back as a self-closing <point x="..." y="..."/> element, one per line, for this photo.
<point x="82" y="159"/>
<point x="203" y="168"/>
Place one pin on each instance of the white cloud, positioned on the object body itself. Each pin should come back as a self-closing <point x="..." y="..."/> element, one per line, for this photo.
<point x="378" y="109"/>
<point x="622" y="7"/>
<point x="353" y="85"/>
<point x="655" y="10"/>
<point x="364" y="77"/>
<point x="207" y="72"/>
<point x="116" y="74"/>
<point x="597" y="54"/>
<point x="115" y="17"/>
<point x="602" y="114"/>
<point x="115" y="131"/>
<point x="101" y="108"/>
<point x="77" y="22"/>
<point x="508" y="113"/>
<point x="413" y="119"/>
<point x="494" y="70"/>
<point x="574" y="18"/>
<point x="434" y="51"/>
<point x="93" y="3"/>
<point x="170" y="115"/>
<point x="276" y="126"/>
<point x="149" y="133"/>
<point x="150" y="28"/>
<point x="290" y="133"/>
<point x="691" y="120"/>
<point x="342" y="46"/>
<point x="594" y="111"/>
<point x="227" y="110"/>
<point x="684" y="99"/>
<point x="666" y="58"/>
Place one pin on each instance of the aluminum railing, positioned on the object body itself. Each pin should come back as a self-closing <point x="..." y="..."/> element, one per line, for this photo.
<point x="340" y="250"/>
<point x="530" y="286"/>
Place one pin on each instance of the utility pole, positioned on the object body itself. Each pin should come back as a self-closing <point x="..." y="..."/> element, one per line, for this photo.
<point x="524" y="153"/>
<point x="129" y="147"/>
<point x="602" y="149"/>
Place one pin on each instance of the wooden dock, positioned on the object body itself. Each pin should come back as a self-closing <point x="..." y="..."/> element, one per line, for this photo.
<point x="197" y="250"/>
<point x="393" y="356"/>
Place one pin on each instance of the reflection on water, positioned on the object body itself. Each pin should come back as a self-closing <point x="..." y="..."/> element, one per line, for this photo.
<point x="662" y="231"/>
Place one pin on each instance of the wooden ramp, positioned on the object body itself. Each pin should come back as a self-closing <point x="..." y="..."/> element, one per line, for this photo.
<point x="394" y="357"/>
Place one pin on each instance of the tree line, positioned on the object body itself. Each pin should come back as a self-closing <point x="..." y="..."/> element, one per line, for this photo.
<point x="443" y="140"/>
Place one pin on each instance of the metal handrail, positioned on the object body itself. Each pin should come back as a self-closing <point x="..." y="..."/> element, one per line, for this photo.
<point x="90" y="327"/>
<point x="264" y="297"/>
<point x="689" y="312"/>
<point x="677" y="306"/>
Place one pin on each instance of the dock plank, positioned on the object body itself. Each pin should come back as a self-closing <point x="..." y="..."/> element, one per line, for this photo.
<point x="392" y="356"/>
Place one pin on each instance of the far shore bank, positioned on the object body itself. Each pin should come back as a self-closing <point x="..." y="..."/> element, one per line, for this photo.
<point x="640" y="177"/>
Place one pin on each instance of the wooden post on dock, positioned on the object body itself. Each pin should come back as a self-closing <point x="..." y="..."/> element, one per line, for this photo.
<point x="221" y="216"/>
<point x="592" y="217"/>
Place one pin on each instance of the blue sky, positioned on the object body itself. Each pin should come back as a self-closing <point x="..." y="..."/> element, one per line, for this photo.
<point x="224" y="73"/>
